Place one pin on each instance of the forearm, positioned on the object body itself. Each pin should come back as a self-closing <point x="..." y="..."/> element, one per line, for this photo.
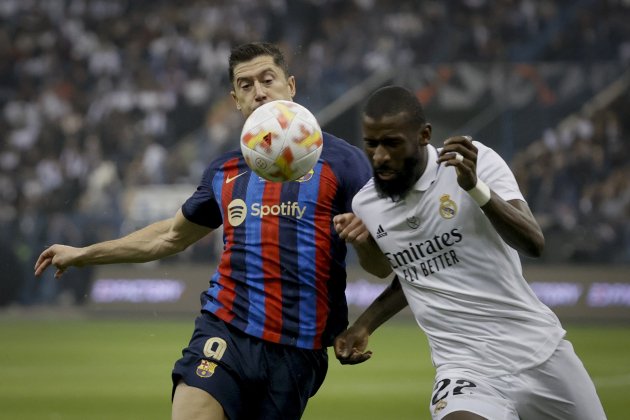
<point x="391" y="301"/>
<point x="147" y="244"/>
<point x="371" y="258"/>
<point x="515" y="224"/>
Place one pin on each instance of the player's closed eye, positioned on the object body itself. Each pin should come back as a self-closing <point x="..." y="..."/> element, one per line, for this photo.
<point x="371" y="144"/>
<point x="388" y="143"/>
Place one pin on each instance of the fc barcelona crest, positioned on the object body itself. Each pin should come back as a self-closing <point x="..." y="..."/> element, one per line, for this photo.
<point x="206" y="369"/>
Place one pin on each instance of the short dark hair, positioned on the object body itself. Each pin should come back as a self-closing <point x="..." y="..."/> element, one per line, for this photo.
<point x="392" y="100"/>
<point x="251" y="50"/>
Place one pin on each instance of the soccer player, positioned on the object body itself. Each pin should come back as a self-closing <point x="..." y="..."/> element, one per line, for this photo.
<point x="276" y="299"/>
<point x="451" y="222"/>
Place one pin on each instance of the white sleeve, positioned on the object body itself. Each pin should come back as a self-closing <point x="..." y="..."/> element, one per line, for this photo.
<point x="495" y="172"/>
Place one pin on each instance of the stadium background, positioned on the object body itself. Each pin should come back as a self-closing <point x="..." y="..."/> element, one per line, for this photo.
<point x="110" y="110"/>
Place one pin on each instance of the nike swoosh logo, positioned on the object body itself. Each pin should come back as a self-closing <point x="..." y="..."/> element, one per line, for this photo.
<point x="228" y="179"/>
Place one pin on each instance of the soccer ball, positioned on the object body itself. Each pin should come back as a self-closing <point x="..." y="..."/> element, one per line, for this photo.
<point x="281" y="141"/>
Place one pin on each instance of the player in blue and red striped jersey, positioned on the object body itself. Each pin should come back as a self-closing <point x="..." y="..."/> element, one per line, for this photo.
<point x="276" y="300"/>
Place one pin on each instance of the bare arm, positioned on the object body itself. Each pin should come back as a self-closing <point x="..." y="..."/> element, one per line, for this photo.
<point x="156" y="241"/>
<point x="371" y="258"/>
<point x="350" y="346"/>
<point x="351" y="229"/>
<point x="391" y="301"/>
<point x="513" y="220"/>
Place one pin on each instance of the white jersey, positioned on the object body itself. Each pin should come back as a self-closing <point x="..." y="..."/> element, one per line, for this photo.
<point x="464" y="284"/>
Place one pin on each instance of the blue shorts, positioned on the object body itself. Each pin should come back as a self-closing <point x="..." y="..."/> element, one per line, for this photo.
<point x="251" y="378"/>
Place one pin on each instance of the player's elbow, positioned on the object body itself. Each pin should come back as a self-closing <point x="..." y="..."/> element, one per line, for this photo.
<point x="536" y="246"/>
<point x="173" y="244"/>
<point x="540" y="246"/>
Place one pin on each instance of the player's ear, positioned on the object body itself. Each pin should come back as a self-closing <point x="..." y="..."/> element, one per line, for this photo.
<point x="425" y="134"/>
<point x="291" y="84"/>
<point x="233" y="94"/>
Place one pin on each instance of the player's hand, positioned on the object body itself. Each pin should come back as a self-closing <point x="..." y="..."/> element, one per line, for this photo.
<point x="350" y="346"/>
<point x="466" y="165"/>
<point x="350" y="228"/>
<point x="61" y="256"/>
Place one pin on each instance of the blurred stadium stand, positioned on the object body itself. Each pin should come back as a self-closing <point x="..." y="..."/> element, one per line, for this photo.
<point x="103" y="103"/>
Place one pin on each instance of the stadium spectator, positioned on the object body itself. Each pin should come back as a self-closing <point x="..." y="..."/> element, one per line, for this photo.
<point x="276" y="300"/>
<point x="575" y="181"/>
<point x="12" y="275"/>
<point x="451" y="222"/>
<point x="93" y="76"/>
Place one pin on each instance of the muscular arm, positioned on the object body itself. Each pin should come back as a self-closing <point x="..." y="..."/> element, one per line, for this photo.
<point x="515" y="223"/>
<point x="371" y="258"/>
<point x="391" y="301"/>
<point x="350" y="346"/>
<point x="153" y="242"/>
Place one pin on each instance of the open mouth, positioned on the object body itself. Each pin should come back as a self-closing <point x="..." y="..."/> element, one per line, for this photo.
<point x="386" y="174"/>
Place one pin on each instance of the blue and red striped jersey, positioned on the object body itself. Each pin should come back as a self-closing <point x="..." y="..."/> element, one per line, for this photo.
<point x="281" y="276"/>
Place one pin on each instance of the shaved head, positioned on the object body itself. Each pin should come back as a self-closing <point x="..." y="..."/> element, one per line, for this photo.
<point x="394" y="100"/>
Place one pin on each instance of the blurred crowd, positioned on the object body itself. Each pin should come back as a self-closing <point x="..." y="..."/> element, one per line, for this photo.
<point x="100" y="96"/>
<point x="576" y="179"/>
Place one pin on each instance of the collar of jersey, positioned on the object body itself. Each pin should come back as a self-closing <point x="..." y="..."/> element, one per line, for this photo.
<point x="430" y="172"/>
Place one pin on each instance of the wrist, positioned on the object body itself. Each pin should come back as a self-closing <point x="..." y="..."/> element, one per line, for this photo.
<point x="363" y="325"/>
<point x="480" y="193"/>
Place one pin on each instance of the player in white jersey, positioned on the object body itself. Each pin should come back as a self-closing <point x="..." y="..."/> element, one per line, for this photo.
<point x="450" y="223"/>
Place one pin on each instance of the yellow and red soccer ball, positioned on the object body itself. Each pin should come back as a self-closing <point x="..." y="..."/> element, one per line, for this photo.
<point x="281" y="141"/>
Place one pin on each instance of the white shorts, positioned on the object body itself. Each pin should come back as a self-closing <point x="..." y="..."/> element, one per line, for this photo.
<point x="559" y="388"/>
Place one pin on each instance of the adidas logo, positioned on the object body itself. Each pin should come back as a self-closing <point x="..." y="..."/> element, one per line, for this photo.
<point x="380" y="232"/>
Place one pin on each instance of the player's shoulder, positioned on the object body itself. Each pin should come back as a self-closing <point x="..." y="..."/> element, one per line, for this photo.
<point x="338" y="152"/>
<point x="487" y="156"/>
<point x="481" y="147"/>
<point x="345" y="159"/>
<point x="234" y="154"/>
<point x="485" y="153"/>
<point x="220" y="163"/>
<point x="334" y="146"/>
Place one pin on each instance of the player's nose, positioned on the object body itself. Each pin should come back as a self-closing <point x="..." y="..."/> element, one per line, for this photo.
<point x="380" y="155"/>
<point x="259" y="91"/>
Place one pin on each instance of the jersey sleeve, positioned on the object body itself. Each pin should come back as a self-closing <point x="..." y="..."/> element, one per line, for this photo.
<point x="495" y="172"/>
<point x="202" y="207"/>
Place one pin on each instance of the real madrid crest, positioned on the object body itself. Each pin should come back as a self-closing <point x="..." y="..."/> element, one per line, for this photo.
<point x="448" y="208"/>
<point x="441" y="405"/>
